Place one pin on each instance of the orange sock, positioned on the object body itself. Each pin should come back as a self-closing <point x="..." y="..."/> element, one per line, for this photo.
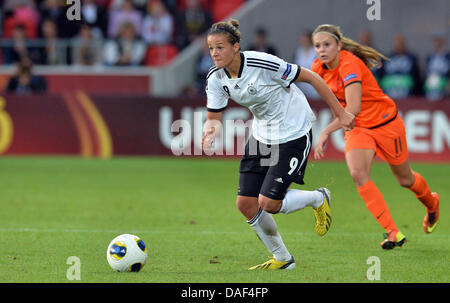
<point x="423" y="192"/>
<point x="374" y="200"/>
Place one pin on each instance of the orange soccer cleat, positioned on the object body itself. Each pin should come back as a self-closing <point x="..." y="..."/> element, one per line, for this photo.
<point x="431" y="218"/>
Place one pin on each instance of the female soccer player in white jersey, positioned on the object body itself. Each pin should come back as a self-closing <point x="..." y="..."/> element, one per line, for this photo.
<point x="282" y="121"/>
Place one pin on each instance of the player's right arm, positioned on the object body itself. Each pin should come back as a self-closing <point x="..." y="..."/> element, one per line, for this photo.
<point x="353" y="100"/>
<point x="321" y="144"/>
<point x="353" y="95"/>
<point x="211" y="127"/>
<point x="217" y="101"/>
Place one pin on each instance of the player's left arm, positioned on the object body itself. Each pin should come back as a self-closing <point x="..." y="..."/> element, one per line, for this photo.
<point x="346" y="119"/>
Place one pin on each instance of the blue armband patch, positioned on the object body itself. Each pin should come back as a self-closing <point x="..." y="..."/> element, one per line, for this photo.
<point x="349" y="77"/>
<point x="287" y="72"/>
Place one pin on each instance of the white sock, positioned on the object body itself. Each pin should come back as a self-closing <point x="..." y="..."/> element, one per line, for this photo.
<point x="298" y="199"/>
<point x="265" y="227"/>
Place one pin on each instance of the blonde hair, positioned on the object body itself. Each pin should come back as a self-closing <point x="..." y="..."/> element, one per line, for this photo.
<point x="370" y="56"/>
<point x="229" y="28"/>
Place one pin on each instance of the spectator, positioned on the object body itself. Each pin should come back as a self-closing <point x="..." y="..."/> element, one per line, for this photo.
<point x="54" y="10"/>
<point x="87" y="48"/>
<point x="437" y="69"/>
<point x="140" y="5"/>
<point x="191" y="23"/>
<point x="172" y="6"/>
<point x="127" y="49"/>
<point x="19" y="47"/>
<point x="261" y="44"/>
<point x="157" y="27"/>
<point x="304" y="57"/>
<point x="126" y="13"/>
<point x="104" y="3"/>
<point x="365" y="38"/>
<point x="203" y="66"/>
<point x="53" y="52"/>
<point x="96" y="16"/>
<point x="400" y="76"/>
<point x="24" y="82"/>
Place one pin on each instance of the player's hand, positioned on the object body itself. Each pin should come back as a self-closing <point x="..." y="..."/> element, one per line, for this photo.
<point x="319" y="150"/>
<point x="347" y="120"/>
<point x="208" y="138"/>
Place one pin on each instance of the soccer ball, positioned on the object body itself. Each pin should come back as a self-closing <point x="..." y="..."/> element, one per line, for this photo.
<point x="127" y="253"/>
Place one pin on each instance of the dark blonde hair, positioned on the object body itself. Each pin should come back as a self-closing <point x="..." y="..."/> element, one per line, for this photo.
<point x="230" y="28"/>
<point x="370" y="56"/>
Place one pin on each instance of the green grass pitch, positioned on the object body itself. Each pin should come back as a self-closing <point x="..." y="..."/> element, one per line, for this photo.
<point x="184" y="209"/>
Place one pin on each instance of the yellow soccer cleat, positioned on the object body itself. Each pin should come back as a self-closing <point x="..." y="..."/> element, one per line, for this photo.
<point x="273" y="264"/>
<point x="392" y="239"/>
<point x="323" y="213"/>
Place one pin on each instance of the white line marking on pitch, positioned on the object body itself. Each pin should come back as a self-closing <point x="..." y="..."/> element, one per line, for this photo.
<point x="203" y="232"/>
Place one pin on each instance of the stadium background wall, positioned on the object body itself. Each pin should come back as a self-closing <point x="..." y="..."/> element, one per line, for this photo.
<point x="105" y="126"/>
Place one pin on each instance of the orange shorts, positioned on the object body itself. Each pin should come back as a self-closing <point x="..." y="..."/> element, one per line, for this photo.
<point x="388" y="141"/>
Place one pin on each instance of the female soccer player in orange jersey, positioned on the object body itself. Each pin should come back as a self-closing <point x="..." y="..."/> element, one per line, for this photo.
<point x="379" y="129"/>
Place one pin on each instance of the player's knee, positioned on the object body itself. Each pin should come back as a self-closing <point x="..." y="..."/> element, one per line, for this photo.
<point x="269" y="205"/>
<point x="248" y="206"/>
<point x="405" y="181"/>
<point x="359" y="176"/>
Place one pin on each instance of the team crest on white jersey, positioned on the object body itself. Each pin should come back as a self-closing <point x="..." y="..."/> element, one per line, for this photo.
<point x="251" y="89"/>
<point x="280" y="110"/>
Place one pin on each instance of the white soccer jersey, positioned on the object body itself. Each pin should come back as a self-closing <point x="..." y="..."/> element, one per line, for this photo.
<point x="280" y="110"/>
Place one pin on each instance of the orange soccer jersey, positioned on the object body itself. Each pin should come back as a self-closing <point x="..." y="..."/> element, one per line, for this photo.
<point x="377" y="126"/>
<point x="376" y="107"/>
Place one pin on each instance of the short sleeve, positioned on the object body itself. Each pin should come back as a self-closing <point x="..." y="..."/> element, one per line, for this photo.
<point x="286" y="73"/>
<point x="316" y="66"/>
<point x="217" y="100"/>
<point x="350" y="72"/>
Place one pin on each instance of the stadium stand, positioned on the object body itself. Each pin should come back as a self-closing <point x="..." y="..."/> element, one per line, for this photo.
<point x="174" y="63"/>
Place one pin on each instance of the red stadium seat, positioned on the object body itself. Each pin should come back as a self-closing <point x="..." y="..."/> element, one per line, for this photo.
<point x="23" y="15"/>
<point x="158" y="55"/>
<point x="10" y="23"/>
<point x="222" y="9"/>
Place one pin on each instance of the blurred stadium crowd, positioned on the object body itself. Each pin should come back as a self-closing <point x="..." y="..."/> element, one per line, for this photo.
<point x="152" y="32"/>
<point x="111" y="32"/>
<point x="402" y="76"/>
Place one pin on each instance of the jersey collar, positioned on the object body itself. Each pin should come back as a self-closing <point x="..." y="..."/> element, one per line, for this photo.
<point x="240" y="68"/>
